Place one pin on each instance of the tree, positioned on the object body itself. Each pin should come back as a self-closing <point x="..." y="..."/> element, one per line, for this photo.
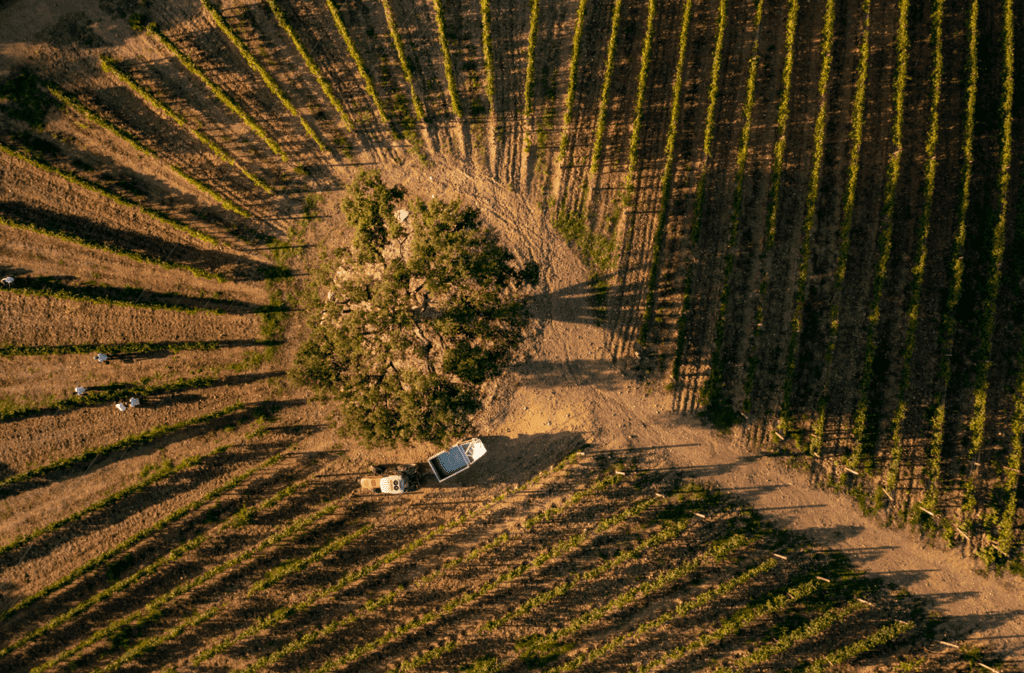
<point x="419" y="314"/>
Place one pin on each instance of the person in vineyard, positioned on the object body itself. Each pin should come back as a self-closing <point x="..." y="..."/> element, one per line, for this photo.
<point x="120" y="406"/>
<point x="80" y="390"/>
<point x="134" y="402"/>
<point x="8" y="281"/>
<point x="101" y="358"/>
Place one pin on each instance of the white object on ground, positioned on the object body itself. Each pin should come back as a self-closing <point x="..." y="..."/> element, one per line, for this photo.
<point x="9" y="281"/>
<point x="80" y="390"/>
<point x="101" y="357"/>
<point x="134" y="402"/>
<point x="120" y="406"/>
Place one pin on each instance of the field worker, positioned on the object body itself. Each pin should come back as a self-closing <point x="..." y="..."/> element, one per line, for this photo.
<point x="120" y="406"/>
<point x="134" y="402"/>
<point x="9" y="281"/>
<point x="101" y="358"/>
<point x="80" y="390"/>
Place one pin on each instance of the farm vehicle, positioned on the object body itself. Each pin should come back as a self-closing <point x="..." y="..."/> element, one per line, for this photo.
<point x="444" y="465"/>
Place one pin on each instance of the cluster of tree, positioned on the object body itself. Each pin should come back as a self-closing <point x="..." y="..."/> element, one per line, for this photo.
<point x="419" y="314"/>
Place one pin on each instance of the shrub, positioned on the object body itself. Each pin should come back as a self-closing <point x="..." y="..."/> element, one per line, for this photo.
<point x="419" y="315"/>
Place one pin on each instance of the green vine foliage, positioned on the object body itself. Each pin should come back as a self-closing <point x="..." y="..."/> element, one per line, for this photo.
<point x="396" y="39"/>
<point x="218" y="92"/>
<point x="449" y="69"/>
<point x="313" y="68"/>
<point x="110" y="66"/>
<point x="103" y="191"/>
<point x="530" y="64"/>
<point x="371" y="90"/>
<point x="73" y="103"/>
<point x="666" y="186"/>
<point x="258" y="68"/>
<point x="577" y="40"/>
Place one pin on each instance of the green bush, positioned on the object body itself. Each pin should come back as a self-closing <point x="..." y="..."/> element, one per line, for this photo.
<point x="420" y="314"/>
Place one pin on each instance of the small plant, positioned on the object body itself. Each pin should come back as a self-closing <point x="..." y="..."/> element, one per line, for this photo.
<point x="596" y="250"/>
<point x="449" y="69"/>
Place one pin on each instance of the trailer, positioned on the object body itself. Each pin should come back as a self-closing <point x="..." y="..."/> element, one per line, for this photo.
<point x="402" y="479"/>
<point x="394" y="483"/>
<point x="447" y="464"/>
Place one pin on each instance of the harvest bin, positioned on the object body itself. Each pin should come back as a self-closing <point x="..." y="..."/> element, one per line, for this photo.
<point x="449" y="463"/>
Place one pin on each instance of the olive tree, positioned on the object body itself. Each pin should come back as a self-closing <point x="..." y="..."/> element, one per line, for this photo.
<point x="418" y="315"/>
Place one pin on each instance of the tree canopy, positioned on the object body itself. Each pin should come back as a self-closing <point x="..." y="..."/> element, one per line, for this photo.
<point x="418" y="315"/>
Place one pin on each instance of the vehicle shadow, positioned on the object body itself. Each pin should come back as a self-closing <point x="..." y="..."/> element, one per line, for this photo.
<point x="511" y="460"/>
